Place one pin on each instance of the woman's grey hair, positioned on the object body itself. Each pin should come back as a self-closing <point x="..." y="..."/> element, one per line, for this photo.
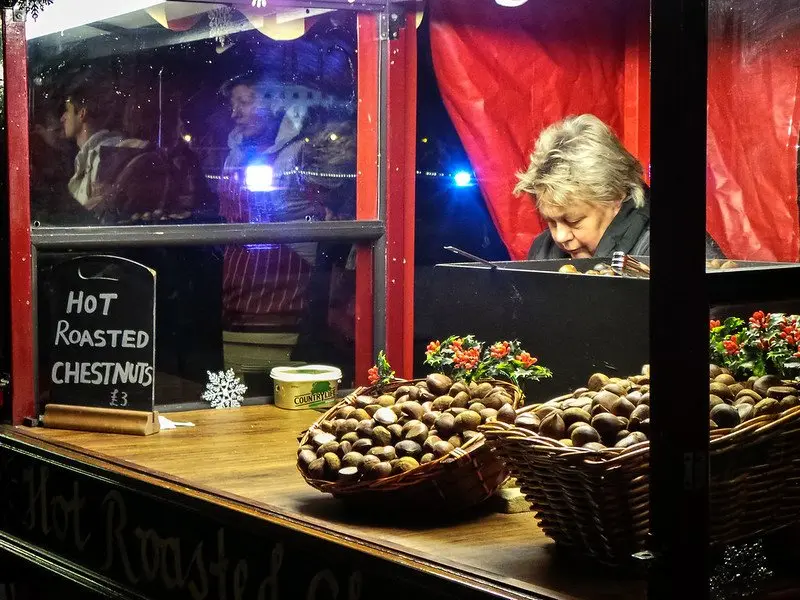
<point x="580" y="158"/>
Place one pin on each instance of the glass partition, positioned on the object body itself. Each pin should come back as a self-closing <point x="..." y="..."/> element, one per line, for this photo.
<point x="752" y="212"/>
<point x="227" y="117"/>
<point x="179" y="112"/>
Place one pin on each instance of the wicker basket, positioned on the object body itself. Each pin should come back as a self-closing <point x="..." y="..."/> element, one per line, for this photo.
<point x="597" y="502"/>
<point x="464" y="477"/>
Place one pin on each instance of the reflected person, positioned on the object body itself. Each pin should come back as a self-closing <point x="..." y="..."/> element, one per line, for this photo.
<point x="276" y="171"/>
<point x="90" y="119"/>
<point x="264" y="285"/>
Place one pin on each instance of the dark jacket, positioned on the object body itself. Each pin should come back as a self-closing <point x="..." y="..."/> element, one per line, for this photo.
<point x="629" y="232"/>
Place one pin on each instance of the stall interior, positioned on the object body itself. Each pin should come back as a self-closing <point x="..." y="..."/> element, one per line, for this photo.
<point x="195" y="114"/>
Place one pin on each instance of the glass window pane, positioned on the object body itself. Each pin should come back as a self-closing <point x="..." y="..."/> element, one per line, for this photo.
<point x="753" y="120"/>
<point x="752" y="212"/>
<point x="246" y="308"/>
<point x="192" y="113"/>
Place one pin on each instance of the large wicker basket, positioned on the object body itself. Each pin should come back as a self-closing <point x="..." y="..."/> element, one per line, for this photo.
<point x="597" y="502"/>
<point x="466" y="476"/>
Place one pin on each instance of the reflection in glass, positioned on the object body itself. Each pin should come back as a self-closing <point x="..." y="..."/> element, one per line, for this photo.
<point x="192" y="113"/>
<point x="193" y="116"/>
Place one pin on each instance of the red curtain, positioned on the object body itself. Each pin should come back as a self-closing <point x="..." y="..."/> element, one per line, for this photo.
<point x="506" y="73"/>
<point x="753" y="114"/>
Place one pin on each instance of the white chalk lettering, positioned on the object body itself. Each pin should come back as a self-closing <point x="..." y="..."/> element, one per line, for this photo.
<point x="97" y="371"/>
<point x="54" y="373"/>
<point x="86" y="338"/>
<point x="101" y="373"/>
<point x="71" y="373"/>
<point x="88" y="303"/>
<point x="73" y="302"/>
<point x="147" y="377"/>
<point x="100" y="338"/>
<point x="61" y="329"/>
<point x="129" y="339"/>
<point x="107" y="298"/>
<point x="86" y="371"/>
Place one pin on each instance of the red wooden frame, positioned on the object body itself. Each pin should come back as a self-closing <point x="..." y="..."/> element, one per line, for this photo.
<point x="19" y="216"/>
<point x="401" y="116"/>
<point x="367" y="186"/>
<point x="400" y="210"/>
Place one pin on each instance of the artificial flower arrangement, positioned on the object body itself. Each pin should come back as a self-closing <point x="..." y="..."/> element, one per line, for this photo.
<point x="464" y="358"/>
<point x="381" y="372"/>
<point x="764" y="344"/>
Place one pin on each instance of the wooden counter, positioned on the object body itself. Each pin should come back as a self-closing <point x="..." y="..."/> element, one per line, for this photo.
<point x="238" y="467"/>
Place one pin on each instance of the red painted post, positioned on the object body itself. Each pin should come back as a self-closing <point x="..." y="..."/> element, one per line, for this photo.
<point x="16" y="88"/>
<point x="400" y="210"/>
<point x="367" y="186"/>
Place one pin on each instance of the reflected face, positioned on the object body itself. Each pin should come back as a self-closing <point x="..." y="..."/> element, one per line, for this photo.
<point x="578" y="228"/>
<point x="71" y="120"/>
<point x="248" y="110"/>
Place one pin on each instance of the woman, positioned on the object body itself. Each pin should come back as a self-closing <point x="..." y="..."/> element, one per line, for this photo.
<point x="589" y="191"/>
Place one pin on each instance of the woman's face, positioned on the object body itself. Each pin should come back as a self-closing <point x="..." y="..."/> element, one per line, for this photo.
<point x="578" y="228"/>
<point x="248" y="110"/>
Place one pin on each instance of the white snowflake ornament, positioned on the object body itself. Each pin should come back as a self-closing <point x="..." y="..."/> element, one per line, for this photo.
<point x="224" y="390"/>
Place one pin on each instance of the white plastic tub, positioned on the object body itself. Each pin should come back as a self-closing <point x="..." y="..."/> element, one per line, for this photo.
<point x="308" y="386"/>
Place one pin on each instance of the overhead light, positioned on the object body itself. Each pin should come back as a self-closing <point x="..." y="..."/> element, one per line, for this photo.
<point x="511" y="3"/>
<point x="67" y="14"/>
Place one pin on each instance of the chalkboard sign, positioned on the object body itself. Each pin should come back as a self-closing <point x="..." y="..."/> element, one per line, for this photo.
<point x="102" y="333"/>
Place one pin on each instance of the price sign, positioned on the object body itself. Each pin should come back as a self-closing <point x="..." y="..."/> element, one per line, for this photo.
<point x="101" y="333"/>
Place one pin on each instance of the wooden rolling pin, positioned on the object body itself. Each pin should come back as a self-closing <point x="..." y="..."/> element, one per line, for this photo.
<point x="104" y="420"/>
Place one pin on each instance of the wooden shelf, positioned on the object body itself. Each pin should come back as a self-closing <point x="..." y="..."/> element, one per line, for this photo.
<point x="243" y="459"/>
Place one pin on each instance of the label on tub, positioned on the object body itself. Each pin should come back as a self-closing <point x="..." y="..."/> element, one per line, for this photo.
<point x="320" y="392"/>
<point x="310" y="386"/>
